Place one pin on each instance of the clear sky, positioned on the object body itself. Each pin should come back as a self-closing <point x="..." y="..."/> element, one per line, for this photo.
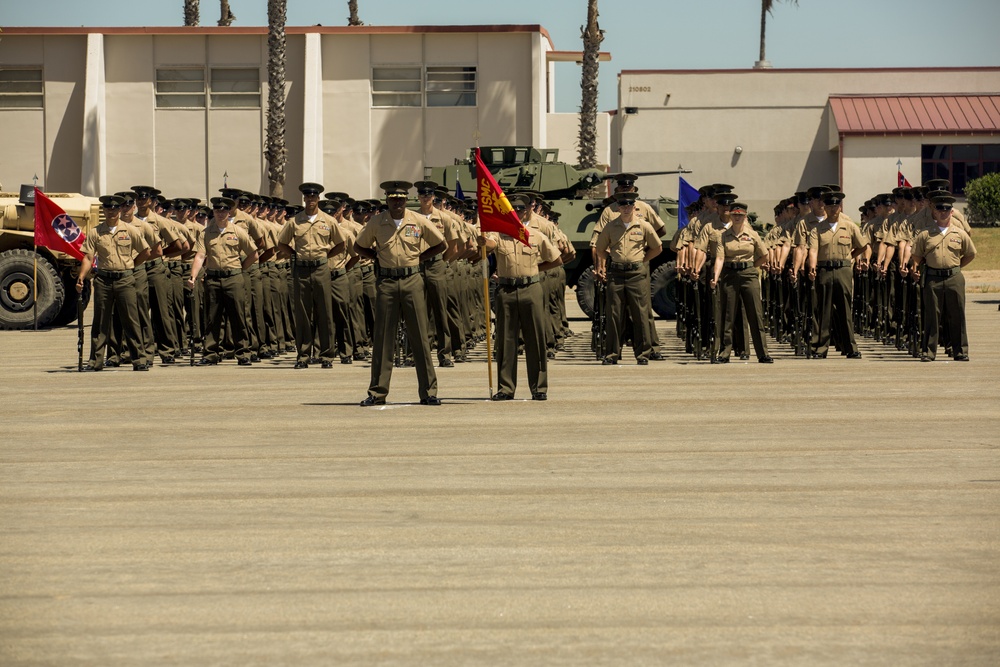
<point x="639" y="34"/>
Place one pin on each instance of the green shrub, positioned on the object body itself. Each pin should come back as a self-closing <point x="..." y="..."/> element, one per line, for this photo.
<point x="983" y="196"/>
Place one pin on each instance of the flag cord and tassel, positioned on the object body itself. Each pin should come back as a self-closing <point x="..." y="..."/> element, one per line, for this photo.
<point x="486" y="302"/>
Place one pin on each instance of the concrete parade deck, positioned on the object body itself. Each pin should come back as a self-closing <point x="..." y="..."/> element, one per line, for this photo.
<point x="824" y="512"/>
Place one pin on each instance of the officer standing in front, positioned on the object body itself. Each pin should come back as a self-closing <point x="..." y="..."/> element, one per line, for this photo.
<point x="218" y="249"/>
<point x="314" y="237"/>
<point x="118" y="248"/>
<point x="520" y="303"/>
<point x="400" y="240"/>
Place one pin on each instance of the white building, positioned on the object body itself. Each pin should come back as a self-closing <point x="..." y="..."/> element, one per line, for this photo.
<point x="96" y="110"/>
<point x="772" y="132"/>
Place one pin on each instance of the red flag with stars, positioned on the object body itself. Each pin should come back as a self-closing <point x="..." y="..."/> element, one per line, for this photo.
<point x="495" y="212"/>
<point x="54" y="229"/>
<point x="901" y="181"/>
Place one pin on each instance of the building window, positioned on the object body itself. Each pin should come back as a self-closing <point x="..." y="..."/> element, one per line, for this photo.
<point x="446" y="86"/>
<point x="236" y="88"/>
<point x="180" y="88"/>
<point x="451" y="86"/>
<point x="21" y="88"/>
<point x="959" y="163"/>
<point x="396" y="87"/>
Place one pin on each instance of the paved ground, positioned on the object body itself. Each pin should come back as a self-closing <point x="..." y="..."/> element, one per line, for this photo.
<point x="810" y="512"/>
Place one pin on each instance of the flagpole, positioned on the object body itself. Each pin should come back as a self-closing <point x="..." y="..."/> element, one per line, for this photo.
<point x="34" y="285"/>
<point x="486" y="301"/>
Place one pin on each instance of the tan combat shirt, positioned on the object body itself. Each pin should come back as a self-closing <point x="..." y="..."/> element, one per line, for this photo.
<point x="745" y="246"/>
<point x="148" y="231"/>
<point x="223" y="248"/>
<point x="709" y="235"/>
<point x="627" y="242"/>
<point x="516" y="260"/>
<point x="164" y="227"/>
<point x="114" y="250"/>
<point x="340" y="260"/>
<point x="836" y="244"/>
<point x="943" y="251"/>
<point x="642" y="210"/>
<point x="399" y="247"/>
<point x="311" y="240"/>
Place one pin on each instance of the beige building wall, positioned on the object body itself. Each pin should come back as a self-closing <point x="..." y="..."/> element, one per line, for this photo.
<point x="186" y="152"/>
<point x="781" y="122"/>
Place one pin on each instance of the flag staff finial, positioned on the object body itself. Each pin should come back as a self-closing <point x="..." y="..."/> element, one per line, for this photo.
<point x="34" y="180"/>
<point x="225" y="179"/>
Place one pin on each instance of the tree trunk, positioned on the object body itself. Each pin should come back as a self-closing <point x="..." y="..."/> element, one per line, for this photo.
<point x="191" y="17"/>
<point x="765" y="7"/>
<point x="226" y="16"/>
<point x="276" y="152"/>
<point x="352" y="6"/>
<point x="592" y="38"/>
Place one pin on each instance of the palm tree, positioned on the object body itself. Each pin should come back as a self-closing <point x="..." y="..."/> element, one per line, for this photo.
<point x="191" y="17"/>
<point x="275" y="151"/>
<point x="352" y="6"/>
<point x="226" y="16"/>
<point x="766" y="7"/>
<point x="592" y="38"/>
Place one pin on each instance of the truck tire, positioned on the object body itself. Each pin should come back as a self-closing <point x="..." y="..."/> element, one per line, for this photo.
<point x="17" y="293"/>
<point x="663" y="288"/>
<point x="585" y="292"/>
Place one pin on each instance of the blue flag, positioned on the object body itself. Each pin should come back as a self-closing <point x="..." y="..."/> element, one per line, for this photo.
<point x="687" y="196"/>
<point x="458" y="191"/>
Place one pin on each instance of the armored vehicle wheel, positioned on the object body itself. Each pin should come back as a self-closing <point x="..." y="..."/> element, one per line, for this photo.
<point x="663" y="287"/>
<point x="585" y="292"/>
<point x="17" y="294"/>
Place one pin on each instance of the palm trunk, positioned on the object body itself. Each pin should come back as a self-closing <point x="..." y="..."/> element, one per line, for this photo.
<point x="226" y="16"/>
<point x="592" y="38"/>
<point x="764" y="7"/>
<point x="276" y="152"/>
<point x="352" y="7"/>
<point x="191" y="17"/>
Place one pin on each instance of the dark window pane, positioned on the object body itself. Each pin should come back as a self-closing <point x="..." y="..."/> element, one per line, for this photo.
<point x="932" y="152"/>
<point x="991" y="152"/>
<point x="991" y="167"/>
<point x="941" y="170"/>
<point x="965" y="152"/>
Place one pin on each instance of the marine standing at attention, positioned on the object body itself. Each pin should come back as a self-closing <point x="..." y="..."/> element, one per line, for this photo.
<point x="400" y="240"/>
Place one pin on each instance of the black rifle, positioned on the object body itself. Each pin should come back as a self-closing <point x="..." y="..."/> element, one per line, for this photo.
<point x="597" y="329"/>
<point x="682" y="306"/>
<point x="695" y="325"/>
<point x="809" y="323"/>
<point x="79" y="332"/>
<point x="712" y="351"/>
<point x="189" y="298"/>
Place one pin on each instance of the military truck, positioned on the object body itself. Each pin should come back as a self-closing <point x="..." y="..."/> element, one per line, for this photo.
<point x="56" y="272"/>
<point x="577" y="195"/>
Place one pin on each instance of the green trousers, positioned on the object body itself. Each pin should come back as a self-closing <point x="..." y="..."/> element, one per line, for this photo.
<point x="741" y="288"/>
<point x="521" y="310"/>
<point x="404" y="298"/>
